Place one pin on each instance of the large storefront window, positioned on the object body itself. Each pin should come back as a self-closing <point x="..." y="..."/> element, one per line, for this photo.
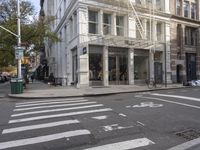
<point x="141" y="65"/>
<point x="95" y="65"/>
<point x="118" y="66"/>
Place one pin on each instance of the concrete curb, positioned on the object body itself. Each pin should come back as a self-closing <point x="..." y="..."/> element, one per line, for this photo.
<point x="90" y="95"/>
<point x="187" y="145"/>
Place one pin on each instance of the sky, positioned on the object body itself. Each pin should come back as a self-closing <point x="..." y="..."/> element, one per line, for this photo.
<point x="36" y="4"/>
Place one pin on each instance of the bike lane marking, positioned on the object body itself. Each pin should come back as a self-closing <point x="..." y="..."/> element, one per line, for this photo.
<point x="178" y="103"/>
<point x="176" y="96"/>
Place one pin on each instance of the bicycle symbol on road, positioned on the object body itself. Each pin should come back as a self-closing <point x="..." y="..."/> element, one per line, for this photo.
<point x="146" y="104"/>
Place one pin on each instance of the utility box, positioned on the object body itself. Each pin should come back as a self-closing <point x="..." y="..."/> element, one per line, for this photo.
<point x="16" y="86"/>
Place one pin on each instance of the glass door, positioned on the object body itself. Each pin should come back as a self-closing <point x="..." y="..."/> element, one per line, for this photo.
<point x="118" y="73"/>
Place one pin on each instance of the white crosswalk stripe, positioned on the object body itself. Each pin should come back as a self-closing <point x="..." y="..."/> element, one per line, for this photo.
<point x="54" y="100"/>
<point x="48" y="103"/>
<point x="39" y="126"/>
<point x="52" y="115"/>
<point x="55" y="110"/>
<point x="59" y="115"/>
<point x="125" y="145"/>
<point x="52" y="106"/>
<point x="40" y="139"/>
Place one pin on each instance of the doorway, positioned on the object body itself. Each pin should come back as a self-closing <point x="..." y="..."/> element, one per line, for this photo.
<point x="178" y="74"/>
<point x="118" y="73"/>
<point x="158" y="72"/>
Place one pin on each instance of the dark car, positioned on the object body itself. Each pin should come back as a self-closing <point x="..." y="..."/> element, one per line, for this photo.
<point x="2" y="79"/>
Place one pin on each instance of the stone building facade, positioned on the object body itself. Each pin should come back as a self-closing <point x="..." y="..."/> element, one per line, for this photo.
<point x="110" y="42"/>
<point x="185" y="50"/>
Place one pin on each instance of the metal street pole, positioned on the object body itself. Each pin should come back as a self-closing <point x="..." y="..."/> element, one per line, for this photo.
<point x="19" y="37"/>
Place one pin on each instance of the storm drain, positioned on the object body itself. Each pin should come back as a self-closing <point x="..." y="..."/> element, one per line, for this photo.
<point x="189" y="134"/>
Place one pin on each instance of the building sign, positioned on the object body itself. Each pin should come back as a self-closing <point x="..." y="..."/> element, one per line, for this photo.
<point x="19" y="52"/>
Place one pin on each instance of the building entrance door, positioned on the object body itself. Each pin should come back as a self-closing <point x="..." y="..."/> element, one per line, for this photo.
<point x="118" y="73"/>
<point x="158" y="71"/>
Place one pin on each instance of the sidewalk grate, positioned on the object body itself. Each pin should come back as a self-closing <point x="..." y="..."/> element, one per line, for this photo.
<point x="189" y="134"/>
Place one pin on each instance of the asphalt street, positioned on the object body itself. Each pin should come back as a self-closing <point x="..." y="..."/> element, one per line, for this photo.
<point x="156" y="120"/>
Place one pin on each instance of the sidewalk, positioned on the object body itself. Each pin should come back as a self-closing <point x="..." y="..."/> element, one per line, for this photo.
<point x="39" y="89"/>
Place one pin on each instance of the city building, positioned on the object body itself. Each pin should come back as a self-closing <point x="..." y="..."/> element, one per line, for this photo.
<point x="185" y="50"/>
<point x="110" y="42"/>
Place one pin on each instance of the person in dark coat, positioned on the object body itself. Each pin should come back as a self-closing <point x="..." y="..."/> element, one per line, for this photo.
<point x="51" y="79"/>
<point x="32" y="78"/>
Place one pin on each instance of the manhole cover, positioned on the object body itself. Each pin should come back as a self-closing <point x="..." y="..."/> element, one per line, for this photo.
<point x="189" y="134"/>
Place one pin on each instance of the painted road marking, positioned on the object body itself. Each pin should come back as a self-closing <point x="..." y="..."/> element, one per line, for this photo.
<point x="48" y="103"/>
<point x="163" y="100"/>
<point x="125" y="145"/>
<point x="52" y="106"/>
<point x="140" y="123"/>
<point x="60" y="115"/>
<point x="114" y="127"/>
<point x="100" y="117"/>
<point x="54" y="100"/>
<point x="39" y="126"/>
<point x="123" y="115"/>
<point x="176" y="96"/>
<point x="41" y="139"/>
<point x="147" y="104"/>
<point x="55" y="110"/>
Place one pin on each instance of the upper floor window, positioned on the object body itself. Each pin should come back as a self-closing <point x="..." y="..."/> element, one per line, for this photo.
<point x="159" y="32"/>
<point x="120" y="25"/>
<point x="93" y="22"/>
<point x="106" y="24"/>
<point x="193" y="11"/>
<point x="186" y="8"/>
<point x="190" y="36"/>
<point x="138" y="2"/>
<point x="178" y="7"/>
<point x="158" y="5"/>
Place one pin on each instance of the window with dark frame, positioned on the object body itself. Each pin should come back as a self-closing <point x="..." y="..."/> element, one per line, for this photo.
<point x="93" y="22"/>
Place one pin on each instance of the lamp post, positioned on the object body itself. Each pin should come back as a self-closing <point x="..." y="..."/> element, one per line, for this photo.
<point x="19" y="37"/>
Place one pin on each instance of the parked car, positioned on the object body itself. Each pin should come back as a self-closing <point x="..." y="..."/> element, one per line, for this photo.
<point x="2" y="79"/>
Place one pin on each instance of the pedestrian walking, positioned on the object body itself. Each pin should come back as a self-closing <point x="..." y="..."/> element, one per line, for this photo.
<point x="51" y="79"/>
<point x="32" y="78"/>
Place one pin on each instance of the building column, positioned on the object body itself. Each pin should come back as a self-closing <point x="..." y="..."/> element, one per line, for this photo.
<point x="151" y="64"/>
<point x="100" y="20"/>
<point x="131" y="66"/>
<point x="167" y="62"/>
<point x="105" y="66"/>
<point x="82" y="48"/>
<point x="144" y="23"/>
<point x="182" y="8"/>
<point x="113" y="25"/>
<point x="154" y="29"/>
<point x="131" y="27"/>
<point x="167" y="10"/>
<point x="63" y="58"/>
<point x="198" y="9"/>
<point x="182" y="37"/>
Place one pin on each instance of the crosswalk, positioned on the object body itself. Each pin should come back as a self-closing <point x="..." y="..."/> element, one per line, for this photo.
<point x="41" y="121"/>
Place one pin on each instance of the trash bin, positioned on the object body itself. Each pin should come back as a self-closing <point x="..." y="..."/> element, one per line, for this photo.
<point x="16" y="86"/>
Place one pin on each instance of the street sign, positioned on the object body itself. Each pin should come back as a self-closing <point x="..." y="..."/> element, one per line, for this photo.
<point x="19" y="52"/>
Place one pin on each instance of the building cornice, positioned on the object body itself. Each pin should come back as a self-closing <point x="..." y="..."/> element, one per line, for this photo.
<point x="184" y="19"/>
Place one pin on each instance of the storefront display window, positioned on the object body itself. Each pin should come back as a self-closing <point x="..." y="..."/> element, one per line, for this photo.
<point x="96" y="69"/>
<point x="141" y="67"/>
